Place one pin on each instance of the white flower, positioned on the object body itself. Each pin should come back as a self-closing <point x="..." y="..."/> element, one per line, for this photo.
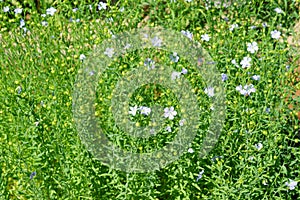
<point x="291" y="184"/>
<point x="122" y="9"/>
<point x="168" y="128"/>
<point x="252" y="47"/>
<point x="82" y="57"/>
<point x="256" y="77"/>
<point x="275" y="34"/>
<point x="75" y="9"/>
<point x="209" y="91"/>
<point x="145" y="110"/>
<point x="200" y="175"/>
<point x="181" y="122"/>
<point x="233" y="26"/>
<point x="109" y="52"/>
<point x="43" y="15"/>
<point x="174" y="57"/>
<point x="44" y="23"/>
<point x="175" y="75"/>
<point x="187" y="34"/>
<point x="264" y="182"/>
<point x="50" y="11"/>
<point x="36" y="123"/>
<point x="6" y="9"/>
<point x="18" y="10"/>
<point x="101" y="6"/>
<point x="258" y="146"/>
<point x="190" y="150"/>
<point x="184" y="71"/>
<point x="188" y="1"/>
<point x="170" y="113"/>
<point x="133" y="110"/>
<point x="22" y="23"/>
<point x="246" y="62"/>
<point x="234" y="62"/>
<point x="205" y="37"/>
<point x="77" y="20"/>
<point x="149" y="63"/>
<point x="156" y="41"/>
<point x="278" y="10"/>
<point x="246" y="90"/>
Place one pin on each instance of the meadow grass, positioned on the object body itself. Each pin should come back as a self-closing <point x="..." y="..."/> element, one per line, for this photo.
<point x="41" y="155"/>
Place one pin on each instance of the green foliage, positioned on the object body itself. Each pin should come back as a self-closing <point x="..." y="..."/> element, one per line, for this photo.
<point x="38" y="70"/>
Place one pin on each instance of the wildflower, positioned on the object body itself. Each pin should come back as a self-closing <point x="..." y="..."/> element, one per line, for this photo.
<point x="149" y="63"/>
<point x="170" y="113"/>
<point x="187" y="34"/>
<point x="121" y="9"/>
<point x="209" y="91"/>
<point x="184" y="71"/>
<point x="256" y="77"/>
<point x="287" y="67"/>
<point x="268" y="110"/>
<point x="77" y="20"/>
<point x="205" y="37"/>
<point x="156" y="41"/>
<point x="36" y="123"/>
<point x="175" y="75"/>
<point x="90" y="7"/>
<point x="258" y="146"/>
<point x="253" y="27"/>
<point x="224" y="77"/>
<point x="264" y="182"/>
<point x="127" y="46"/>
<point x="145" y="110"/>
<point x="233" y="26"/>
<point x="6" y="9"/>
<point x="92" y="73"/>
<point x="234" y="63"/>
<point x="181" y="122"/>
<point x="174" y="57"/>
<point x="291" y="184"/>
<point x="246" y="90"/>
<point x="51" y="11"/>
<point x="82" y="57"/>
<point x="109" y="52"/>
<point x="190" y="150"/>
<point x="43" y="15"/>
<point x="216" y="157"/>
<point x="75" y="9"/>
<point x="275" y="34"/>
<point x="252" y="47"/>
<point x="168" y="128"/>
<point x="200" y="175"/>
<point x="18" y="11"/>
<point x="101" y="6"/>
<point x="19" y="89"/>
<point x="133" y="110"/>
<point x="22" y="23"/>
<point x="33" y="174"/>
<point x="189" y="1"/>
<point x="278" y="10"/>
<point x="44" y="23"/>
<point x="264" y="24"/>
<point x="246" y="62"/>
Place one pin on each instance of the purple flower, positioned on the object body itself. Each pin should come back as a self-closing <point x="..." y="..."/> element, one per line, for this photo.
<point x="33" y="174"/>
<point x="224" y="77"/>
